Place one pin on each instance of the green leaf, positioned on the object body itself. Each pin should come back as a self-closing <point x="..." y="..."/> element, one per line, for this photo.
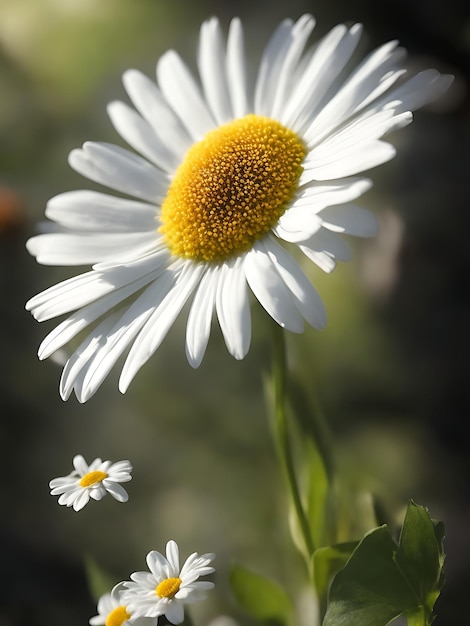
<point x="327" y="562"/>
<point x="317" y="494"/>
<point x="370" y="590"/>
<point x="383" y="580"/>
<point x="261" y="597"/>
<point x="421" y="555"/>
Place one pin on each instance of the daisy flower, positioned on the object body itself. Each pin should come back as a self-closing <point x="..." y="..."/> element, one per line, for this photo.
<point x="167" y="588"/>
<point x="228" y="177"/>
<point x="92" y="481"/>
<point x="112" y="612"/>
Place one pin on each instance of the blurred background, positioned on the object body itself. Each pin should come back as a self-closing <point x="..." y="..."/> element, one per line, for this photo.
<point x="390" y="369"/>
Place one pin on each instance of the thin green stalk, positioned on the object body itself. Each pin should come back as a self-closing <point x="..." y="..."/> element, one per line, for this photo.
<point x="282" y="434"/>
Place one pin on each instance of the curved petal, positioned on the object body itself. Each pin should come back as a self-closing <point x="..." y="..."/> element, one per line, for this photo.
<point x="117" y="491"/>
<point x="86" y="248"/>
<point x="175" y="612"/>
<point x="149" y="101"/>
<point x="73" y="372"/>
<point x="123" y="332"/>
<point x="173" y="557"/>
<point x="77" y="322"/>
<point x="200" y="316"/>
<point x="211" y="63"/>
<point x="183" y="94"/>
<point x="283" y="84"/>
<point x="86" y="210"/>
<point x="160" y="322"/>
<point x="270" y="290"/>
<point x="121" y="170"/>
<point x="305" y="295"/>
<point x="350" y="219"/>
<point x="328" y="60"/>
<point x="140" y="135"/>
<point x="270" y="63"/>
<point x="236" y="69"/>
<point x="233" y="308"/>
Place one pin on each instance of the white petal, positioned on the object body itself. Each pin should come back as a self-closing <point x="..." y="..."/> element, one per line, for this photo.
<point x="85" y="288"/>
<point x="270" y="64"/>
<point x="140" y="135"/>
<point x="419" y="90"/>
<point x="80" y="464"/>
<point x="327" y="241"/>
<point x="329" y="58"/>
<point x="297" y="224"/>
<point x="236" y="70"/>
<point x="153" y="107"/>
<point x="351" y="160"/>
<point x="300" y="34"/>
<point x="93" y="211"/>
<point x="173" y="557"/>
<point x="77" y="322"/>
<point x="123" y="332"/>
<point x="75" y="368"/>
<point x="117" y="491"/>
<point x="355" y="90"/>
<point x="233" y="308"/>
<point x="121" y="170"/>
<point x="82" y="500"/>
<point x="318" y="196"/>
<point x="350" y="219"/>
<point x="87" y="248"/>
<point x="324" y="260"/>
<point x="175" y="612"/>
<point x="305" y="296"/>
<point x="270" y="290"/>
<point x="200" y="316"/>
<point x="211" y="63"/>
<point x="160" y="322"/>
<point x="158" y="565"/>
<point x="182" y="92"/>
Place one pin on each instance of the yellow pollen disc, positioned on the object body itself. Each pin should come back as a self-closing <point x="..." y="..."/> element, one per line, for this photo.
<point x="231" y="188"/>
<point x="117" y="617"/>
<point x="92" y="478"/>
<point x="168" y="587"/>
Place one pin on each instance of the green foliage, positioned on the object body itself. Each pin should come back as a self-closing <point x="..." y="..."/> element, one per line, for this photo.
<point x="326" y="563"/>
<point x="99" y="581"/>
<point x="263" y="599"/>
<point x="383" y="580"/>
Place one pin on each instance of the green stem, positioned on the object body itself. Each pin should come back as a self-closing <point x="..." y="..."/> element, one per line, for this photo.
<point x="282" y="434"/>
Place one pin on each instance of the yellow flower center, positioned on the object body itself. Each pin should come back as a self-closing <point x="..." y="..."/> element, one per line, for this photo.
<point x="168" y="588"/>
<point x="231" y="188"/>
<point x="92" y="478"/>
<point x="117" y="617"/>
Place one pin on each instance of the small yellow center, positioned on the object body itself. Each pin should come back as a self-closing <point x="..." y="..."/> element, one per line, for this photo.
<point x="231" y="188"/>
<point x="92" y="478"/>
<point x="117" y="617"/>
<point x="168" y="587"/>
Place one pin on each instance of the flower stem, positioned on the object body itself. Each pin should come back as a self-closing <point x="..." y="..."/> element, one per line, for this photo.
<point x="281" y="432"/>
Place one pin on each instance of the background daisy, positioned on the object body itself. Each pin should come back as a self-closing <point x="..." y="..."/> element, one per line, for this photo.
<point x="92" y="481"/>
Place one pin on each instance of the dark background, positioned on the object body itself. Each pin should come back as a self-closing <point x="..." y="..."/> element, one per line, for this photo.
<point x="390" y="369"/>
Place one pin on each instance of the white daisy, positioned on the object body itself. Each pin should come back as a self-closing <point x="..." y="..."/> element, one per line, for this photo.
<point x="167" y="588"/>
<point x="112" y="611"/>
<point x="92" y="481"/>
<point x="228" y="178"/>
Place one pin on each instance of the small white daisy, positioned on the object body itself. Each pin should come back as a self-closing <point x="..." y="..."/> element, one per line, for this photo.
<point x="92" y="481"/>
<point x="167" y="588"/>
<point x="112" y="611"/>
<point x="231" y="175"/>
